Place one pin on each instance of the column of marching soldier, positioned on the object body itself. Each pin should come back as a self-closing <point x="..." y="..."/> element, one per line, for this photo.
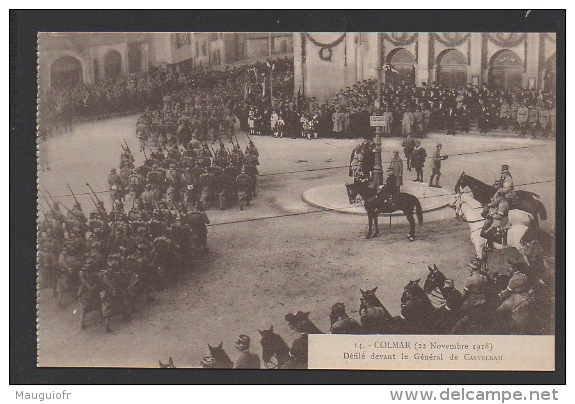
<point x="111" y="260"/>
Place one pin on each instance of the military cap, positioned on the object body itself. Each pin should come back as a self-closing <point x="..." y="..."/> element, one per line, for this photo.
<point x="294" y="318"/>
<point x="504" y="168"/>
<point x="208" y="362"/>
<point x="243" y="340"/>
<point x="474" y="264"/>
<point x="449" y="284"/>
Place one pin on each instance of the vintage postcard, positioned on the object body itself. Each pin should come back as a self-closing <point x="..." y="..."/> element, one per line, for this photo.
<point x="297" y="200"/>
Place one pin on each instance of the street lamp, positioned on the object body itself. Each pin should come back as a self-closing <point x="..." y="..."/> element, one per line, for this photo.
<point x="377" y="167"/>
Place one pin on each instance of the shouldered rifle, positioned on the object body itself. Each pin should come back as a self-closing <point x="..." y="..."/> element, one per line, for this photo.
<point x="100" y="204"/>
<point x="127" y="147"/>
<point x="76" y="199"/>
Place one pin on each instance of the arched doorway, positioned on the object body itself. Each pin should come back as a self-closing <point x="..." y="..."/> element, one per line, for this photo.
<point x="506" y="70"/>
<point x="65" y="72"/>
<point x="134" y="58"/>
<point x="550" y="77"/>
<point x="113" y="64"/>
<point x="401" y="62"/>
<point x="451" y="69"/>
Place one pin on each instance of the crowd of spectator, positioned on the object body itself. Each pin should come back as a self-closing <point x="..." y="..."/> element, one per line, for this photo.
<point x="263" y="107"/>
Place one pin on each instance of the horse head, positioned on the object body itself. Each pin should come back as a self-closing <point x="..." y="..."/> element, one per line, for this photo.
<point x="435" y="279"/>
<point x="369" y="299"/>
<point x="352" y="193"/>
<point x="461" y="183"/>
<point x="221" y="358"/>
<point x="169" y="365"/>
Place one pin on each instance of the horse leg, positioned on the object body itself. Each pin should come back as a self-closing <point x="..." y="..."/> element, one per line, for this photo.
<point x="369" y="221"/>
<point x="82" y="317"/>
<point x="107" y="324"/>
<point x="411" y="220"/>
<point x="376" y="224"/>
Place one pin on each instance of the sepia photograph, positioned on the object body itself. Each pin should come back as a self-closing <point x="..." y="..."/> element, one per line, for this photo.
<point x="297" y="200"/>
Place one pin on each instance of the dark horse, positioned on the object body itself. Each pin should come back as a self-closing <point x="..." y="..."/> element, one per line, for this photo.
<point x="525" y="201"/>
<point x="375" y="204"/>
<point x="273" y="346"/>
<point x="218" y="359"/>
<point x="417" y="311"/>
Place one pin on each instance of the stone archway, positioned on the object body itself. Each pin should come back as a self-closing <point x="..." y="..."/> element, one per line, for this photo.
<point x="451" y="69"/>
<point x="403" y="64"/>
<point x="550" y="76"/>
<point x="506" y="70"/>
<point x="66" y="71"/>
<point x="113" y="64"/>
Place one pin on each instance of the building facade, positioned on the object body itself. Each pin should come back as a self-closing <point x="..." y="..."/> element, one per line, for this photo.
<point x="325" y="63"/>
<point x="67" y="58"/>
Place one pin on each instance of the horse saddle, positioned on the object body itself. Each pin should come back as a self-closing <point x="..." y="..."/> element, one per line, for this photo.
<point x="499" y="235"/>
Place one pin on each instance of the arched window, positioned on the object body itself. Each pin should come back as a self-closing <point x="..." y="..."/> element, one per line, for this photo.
<point x="506" y="70"/>
<point x="113" y="64"/>
<point x="401" y="62"/>
<point x="451" y="69"/>
<point x="65" y="72"/>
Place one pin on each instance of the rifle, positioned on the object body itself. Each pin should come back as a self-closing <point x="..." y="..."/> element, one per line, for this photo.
<point x="76" y="199"/>
<point x="127" y="147"/>
<point x="50" y="206"/>
<point x="100" y="203"/>
<point x="176" y="206"/>
<point x="249" y="138"/>
<point x="237" y="141"/>
<point x="146" y="157"/>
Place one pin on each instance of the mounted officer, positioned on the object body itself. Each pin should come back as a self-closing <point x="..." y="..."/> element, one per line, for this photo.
<point x="390" y="189"/>
<point x="496" y="217"/>
<point x="507" y="188"/>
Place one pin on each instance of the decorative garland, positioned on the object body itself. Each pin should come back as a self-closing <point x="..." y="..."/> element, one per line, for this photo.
<point x="402" y="40"/>
<point x="449" y="41"/>
<point x="514" y="39"/>
<point x="325" y="51"/>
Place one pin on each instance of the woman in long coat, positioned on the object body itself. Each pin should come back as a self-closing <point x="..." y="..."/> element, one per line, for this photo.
<point x="407" y="123"/>
<point x="396" y="164"/>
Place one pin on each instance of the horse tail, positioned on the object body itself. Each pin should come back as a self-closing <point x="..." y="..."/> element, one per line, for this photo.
<point x="419" y="211"/>
<point x="541" y="209"/>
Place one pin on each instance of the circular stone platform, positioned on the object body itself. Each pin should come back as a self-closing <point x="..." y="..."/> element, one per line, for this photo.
<point x="334" y="197"/>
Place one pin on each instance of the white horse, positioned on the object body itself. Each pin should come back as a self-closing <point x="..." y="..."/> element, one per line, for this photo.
<point x="469" y="211"/>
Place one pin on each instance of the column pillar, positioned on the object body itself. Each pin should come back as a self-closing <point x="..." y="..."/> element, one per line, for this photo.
<point x="298" y="64"/>
<point x="532" y="58"/>
<point x="422" y="68"/>
<point x="475" y="57"/>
